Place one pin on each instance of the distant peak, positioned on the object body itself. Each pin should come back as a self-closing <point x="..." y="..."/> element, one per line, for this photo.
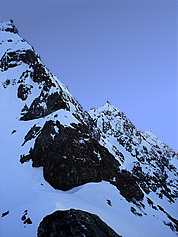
<point x="104" y="107"/>
<point x="8" y="26"/>
<point x="108" y="106"/>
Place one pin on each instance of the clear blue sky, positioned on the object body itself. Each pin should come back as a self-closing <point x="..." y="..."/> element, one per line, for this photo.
<point x="121" y="51"/>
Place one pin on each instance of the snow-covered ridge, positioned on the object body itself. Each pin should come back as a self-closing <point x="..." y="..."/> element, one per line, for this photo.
<point x="43" y="125"/>
<point x="142" y="153"/>
<point x="36" y="87"/>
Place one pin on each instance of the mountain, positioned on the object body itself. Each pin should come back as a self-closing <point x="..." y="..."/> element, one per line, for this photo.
<point x="55" y="156"/>
<point x="143" y="154"/>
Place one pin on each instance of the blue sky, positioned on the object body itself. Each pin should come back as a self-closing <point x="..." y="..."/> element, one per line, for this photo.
<point x="121" y="51"/>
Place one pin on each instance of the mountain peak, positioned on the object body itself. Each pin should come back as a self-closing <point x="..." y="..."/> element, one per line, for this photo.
<point x="8" y="26"/>
<point x="107" y="107"/>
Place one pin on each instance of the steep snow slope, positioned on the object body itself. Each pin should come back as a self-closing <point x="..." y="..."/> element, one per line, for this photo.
<point x="31" y="98"/>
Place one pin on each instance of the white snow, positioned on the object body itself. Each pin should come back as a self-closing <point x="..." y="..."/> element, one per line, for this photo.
<point x="17" y="43"/>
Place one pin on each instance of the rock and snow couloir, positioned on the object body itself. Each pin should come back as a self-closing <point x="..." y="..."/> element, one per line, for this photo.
<point x="97" y="161"/>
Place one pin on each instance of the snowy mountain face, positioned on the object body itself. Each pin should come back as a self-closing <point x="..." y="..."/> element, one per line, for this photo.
<point x="150" y="160"/>
<point x="55" y="156"/>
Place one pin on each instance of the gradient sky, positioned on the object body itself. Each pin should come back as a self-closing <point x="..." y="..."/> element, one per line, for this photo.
<point x="121" y="51"/>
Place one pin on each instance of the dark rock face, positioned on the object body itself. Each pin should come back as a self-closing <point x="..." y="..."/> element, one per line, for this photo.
<point x="75" y="223"/>
<point x="71" y="157"/>
<point x="127" y="184"/>
<point x="53" y="102"/>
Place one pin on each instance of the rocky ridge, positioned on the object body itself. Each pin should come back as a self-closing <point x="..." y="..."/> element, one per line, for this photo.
<point x="69" y="152"/>
<point x="150" y="159"/>
<point x="75" y="147"/>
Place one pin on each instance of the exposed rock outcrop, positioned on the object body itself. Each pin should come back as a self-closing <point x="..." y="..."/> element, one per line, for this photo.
<point x="74" y="223"/>
<point x="71" y="157"/>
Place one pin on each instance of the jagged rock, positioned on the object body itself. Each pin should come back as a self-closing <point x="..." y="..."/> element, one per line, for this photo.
<point x="53" y="103"/>
<point x="153" y="157"/>
<point x="71" y="157"/>
<point x="31" y="134"/>
<point x="75" y="223"/>
<point x="5" y="213"/>
<point x="127" y="184"/>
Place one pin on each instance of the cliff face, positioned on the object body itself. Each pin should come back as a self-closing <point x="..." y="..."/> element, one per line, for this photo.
<point x="44" y="126"/>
